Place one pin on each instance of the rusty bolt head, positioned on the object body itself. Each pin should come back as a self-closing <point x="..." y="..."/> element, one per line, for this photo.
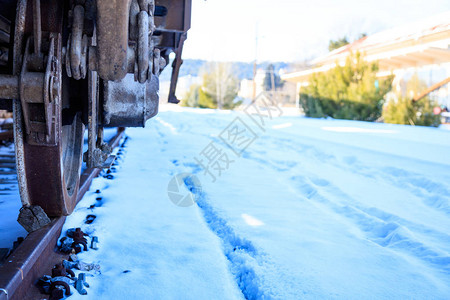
<point x="58" y="270"/>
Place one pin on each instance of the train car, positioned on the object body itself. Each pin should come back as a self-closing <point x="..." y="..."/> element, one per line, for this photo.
<point x="76" y="65"/>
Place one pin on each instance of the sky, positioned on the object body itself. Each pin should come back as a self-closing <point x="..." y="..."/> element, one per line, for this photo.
<point x="291" y="30"/>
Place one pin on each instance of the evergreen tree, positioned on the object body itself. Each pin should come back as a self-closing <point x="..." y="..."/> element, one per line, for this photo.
<point x="337" y="44"/>
<point x="205" y="100"/>
<point x="403" y="110"/>
<point x="192" y="96"/>
<point x="350" y="92"/>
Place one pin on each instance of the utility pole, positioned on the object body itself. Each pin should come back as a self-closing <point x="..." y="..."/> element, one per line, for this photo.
<point x="272" y="79"/>
<point x="218" y="85"/>
<point x="254" y="63"/>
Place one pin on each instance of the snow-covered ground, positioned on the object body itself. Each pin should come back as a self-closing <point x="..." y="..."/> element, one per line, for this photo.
<point x="10" y="203"/>
<point x="310" y="209"/>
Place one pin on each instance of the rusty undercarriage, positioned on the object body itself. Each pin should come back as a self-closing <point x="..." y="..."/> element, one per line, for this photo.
<point x="75" y="64"/>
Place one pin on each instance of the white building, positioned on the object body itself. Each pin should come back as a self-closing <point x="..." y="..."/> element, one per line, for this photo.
<point x="286" y="94"/>
<point x="420" y="47"/>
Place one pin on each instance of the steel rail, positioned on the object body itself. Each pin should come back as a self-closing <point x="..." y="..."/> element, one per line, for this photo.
<point x="36" y="255"/>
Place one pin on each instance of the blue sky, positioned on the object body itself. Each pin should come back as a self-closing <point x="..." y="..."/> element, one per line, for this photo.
<point x="291" y="30"/>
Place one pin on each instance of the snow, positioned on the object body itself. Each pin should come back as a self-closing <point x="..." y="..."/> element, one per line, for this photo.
<point x="173" y="253"/>
<point x="311" y="209"/>
<point x="10" y="203"/>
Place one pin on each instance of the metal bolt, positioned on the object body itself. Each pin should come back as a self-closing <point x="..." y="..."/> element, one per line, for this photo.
<point x="94" y="243"/>
<point x="80" y="283"/>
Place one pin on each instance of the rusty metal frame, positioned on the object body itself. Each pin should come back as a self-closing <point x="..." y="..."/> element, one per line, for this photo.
<point x="112" y="56"/>
<point x="176" y="69"/>
<point x="36" y="254"/>
<point x="172" y="29"/>
<point x="35" y="161"/>
<point x="19" y="133"/>
<point x="178" y="18"/>
<point x="112" y="38"/>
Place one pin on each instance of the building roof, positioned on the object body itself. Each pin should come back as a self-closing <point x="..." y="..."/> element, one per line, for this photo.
<point x="420" y="43"/>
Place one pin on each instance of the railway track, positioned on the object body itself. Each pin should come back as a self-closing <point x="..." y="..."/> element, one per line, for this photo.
<point x="36" y="255"/>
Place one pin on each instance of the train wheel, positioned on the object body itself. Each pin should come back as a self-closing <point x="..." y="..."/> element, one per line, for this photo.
<point x="48" y="175"/>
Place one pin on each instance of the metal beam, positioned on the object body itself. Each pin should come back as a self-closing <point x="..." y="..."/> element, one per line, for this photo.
<point x="423" y="59"/>
<point x="390" y="64"/>
<point x="404" y="61"/>
<point x="431" y="89"/>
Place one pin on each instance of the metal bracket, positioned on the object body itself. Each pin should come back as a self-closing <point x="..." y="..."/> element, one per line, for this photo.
<point x="32" y="218"/>
<point x="98" y="154"/>
<point x="39" y="92"/>
<point x="176" y="69"/>
<point x="75" y="53"/>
